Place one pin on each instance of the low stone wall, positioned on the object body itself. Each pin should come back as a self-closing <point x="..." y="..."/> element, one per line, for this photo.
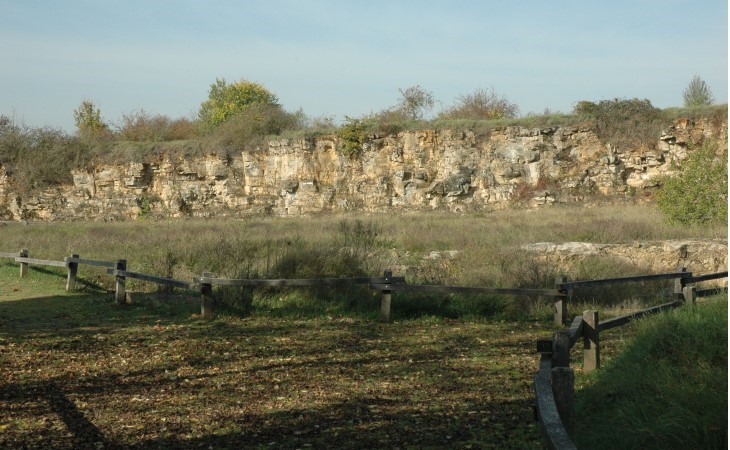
<point x="698" y="256"/>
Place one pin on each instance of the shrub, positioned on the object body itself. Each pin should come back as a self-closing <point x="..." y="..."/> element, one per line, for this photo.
<point x="697" y="93"/>
<point x="250" y="127"/>
<point x="480" y="104"/>
<point x="140" y="126"/>
<point x="39" y="157"/>
<point x="228" y="100"/>
<point x="352" y="135"/>
<point x="622" y="122"/>
<point x="697" y="195"/>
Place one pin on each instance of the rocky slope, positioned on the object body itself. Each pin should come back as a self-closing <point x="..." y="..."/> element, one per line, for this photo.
<point x="416" y="170"/>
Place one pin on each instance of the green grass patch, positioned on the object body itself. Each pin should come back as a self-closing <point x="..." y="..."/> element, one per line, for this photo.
<point x="666" y="389"/>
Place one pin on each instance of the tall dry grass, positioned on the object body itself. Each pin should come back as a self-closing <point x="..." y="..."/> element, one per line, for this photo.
<point x="476" y="250"/>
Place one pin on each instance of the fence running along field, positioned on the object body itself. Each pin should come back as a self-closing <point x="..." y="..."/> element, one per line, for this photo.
<point x="554" y="380"/>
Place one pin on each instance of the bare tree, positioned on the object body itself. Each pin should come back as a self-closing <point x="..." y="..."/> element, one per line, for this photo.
<point x="415" y="102"/>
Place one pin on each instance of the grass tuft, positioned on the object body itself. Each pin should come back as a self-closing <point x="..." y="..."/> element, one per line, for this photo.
<point x="667" y="389"/>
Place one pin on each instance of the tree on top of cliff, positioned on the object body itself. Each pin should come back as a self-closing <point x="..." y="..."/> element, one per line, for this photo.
<point x="697" y="93"/>
<point x="479" y="105"/>
<point x="415" y="102"/>
<point x="88" y="120"/>
<point x="227" y="100"/>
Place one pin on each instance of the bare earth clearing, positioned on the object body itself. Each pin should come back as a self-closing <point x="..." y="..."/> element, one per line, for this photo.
<point x="78" y="372"/>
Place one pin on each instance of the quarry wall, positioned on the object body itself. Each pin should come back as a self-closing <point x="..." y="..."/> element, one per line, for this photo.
<point x="412" y="170"/>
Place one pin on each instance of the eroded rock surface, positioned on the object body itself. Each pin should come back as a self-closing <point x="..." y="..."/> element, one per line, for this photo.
<point x="416" y="170"/>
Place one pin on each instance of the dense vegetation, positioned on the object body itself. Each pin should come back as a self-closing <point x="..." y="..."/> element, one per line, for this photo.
<point x="666" y="389"/>
<point x="698" y="193"/>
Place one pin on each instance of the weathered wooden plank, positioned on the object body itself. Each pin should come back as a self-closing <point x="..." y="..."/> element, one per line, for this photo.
<point x="152" y="278"/>
<point x="709" y="276"/>
<point x="591" y="341"/>
<point x="91" y="262"/>
<point x="120" y="289"/>
<point x="206" y="298"/>
<point x="618" y="321"/>
<point x="576" y="330"/>
<point x="561" y="349"/>
<point x="8" y="255"/>
<point x="660" y="276"/>
<point x="563" y="384"/>
<point x="295" y="282"/>
<point x="461" y="289"/>
<point x="23" y="265"/>
<point x="41" y="262"/>
<point x="72" y="271"/>
<point x="547" y="411"/>
<point x="560" y="302"/>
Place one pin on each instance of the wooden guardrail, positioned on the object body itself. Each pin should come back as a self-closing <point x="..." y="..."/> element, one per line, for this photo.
<point x="554" y="380"/>
<point x="386" y="289"/>
<point x="386" y="285"/>
<point x="207" y="281"/>
<point x="562" y="285"/>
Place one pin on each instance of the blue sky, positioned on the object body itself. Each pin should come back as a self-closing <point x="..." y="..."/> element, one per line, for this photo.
<point x="337" y="58"/>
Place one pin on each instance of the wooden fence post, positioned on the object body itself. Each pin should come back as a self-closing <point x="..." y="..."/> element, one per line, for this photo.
<point x="591" y="342"/>
<point x="23" y="265"/>
<point x="120" y="295"/>
<point x="560" y="306"/>
<point x="689" y="295"/>
<point x="562" y="380"/>
<point x="679" y="284"/>
<point x="385" y="298"/>
<point x="71" y="272"/>
<point x="561" y="349"/>
<point x="206" y="298"/>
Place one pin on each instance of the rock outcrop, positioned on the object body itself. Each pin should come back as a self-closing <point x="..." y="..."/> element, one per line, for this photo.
<point x="700" y="256"/>
<point x="417" y="170"/>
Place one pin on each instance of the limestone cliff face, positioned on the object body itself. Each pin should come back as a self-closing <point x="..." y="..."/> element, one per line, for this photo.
<point x="418" y="170"/>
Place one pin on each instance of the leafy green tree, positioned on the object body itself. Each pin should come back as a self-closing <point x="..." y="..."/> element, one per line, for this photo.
<point x="226" y="100"/>
<point x="352" y="135"/>
<point x="697" y="93"/>
<point x="697" y="194"/>
<point x="88" y="120"/>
